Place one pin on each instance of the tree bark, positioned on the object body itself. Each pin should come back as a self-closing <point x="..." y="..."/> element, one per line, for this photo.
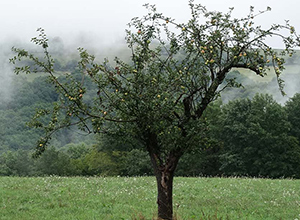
<point x="164" y="180"/>
<point x="164" y="173"/>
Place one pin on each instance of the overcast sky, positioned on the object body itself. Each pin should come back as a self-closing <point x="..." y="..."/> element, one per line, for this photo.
<point x="105" y="20"/>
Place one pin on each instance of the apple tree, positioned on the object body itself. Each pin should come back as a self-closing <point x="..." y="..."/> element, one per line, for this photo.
<point x="159" y="97"/>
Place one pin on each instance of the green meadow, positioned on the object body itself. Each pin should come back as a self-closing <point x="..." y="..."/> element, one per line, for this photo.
<point x="123" y="198"/>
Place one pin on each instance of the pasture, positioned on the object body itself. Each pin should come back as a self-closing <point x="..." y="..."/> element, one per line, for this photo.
<point x="123" y="198"/>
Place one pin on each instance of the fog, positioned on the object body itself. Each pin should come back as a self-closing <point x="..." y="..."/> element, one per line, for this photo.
<point x="105" y="21"/>
<point x="6" y="73"/>
<point x="99" y="25"/>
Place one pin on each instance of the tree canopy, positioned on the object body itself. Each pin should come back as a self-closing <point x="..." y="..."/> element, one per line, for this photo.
<point x="256" y="139"/>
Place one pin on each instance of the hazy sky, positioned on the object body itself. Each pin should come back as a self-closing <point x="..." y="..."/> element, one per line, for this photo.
<point x="105" y="20"/>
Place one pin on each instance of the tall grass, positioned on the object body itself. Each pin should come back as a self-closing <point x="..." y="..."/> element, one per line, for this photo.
<point x="135" y="198"/>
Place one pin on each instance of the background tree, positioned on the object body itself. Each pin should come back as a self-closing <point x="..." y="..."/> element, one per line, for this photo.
<point x="257" y="141"/>
<point x="159" y="97"/>
<point x="54" y="162"/>
<point x="205" y="161"/>
<point x="293" y="107"/>
<point x="16" y="163"/>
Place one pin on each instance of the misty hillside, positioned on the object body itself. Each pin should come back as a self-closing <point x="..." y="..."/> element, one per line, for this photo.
<point x="22" y="95"/>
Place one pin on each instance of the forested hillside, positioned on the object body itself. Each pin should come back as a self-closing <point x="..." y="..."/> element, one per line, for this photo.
<point x="249" y="133"/>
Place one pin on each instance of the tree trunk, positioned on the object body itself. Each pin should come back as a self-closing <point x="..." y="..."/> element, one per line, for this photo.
<point x="164" y="173"/>
<point x="164" y="181"/>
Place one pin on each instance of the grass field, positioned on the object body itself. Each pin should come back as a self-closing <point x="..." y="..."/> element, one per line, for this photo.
<point x="135" y="198"/>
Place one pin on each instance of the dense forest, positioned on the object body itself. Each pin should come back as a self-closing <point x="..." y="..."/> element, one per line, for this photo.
<point x="251" y="131"/>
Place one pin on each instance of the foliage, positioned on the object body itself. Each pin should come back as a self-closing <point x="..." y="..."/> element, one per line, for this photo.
<point x="54" y="162"/>
<point x="205" y="162"/>
<point x="136" y="163"/>
<point x="242" y="141"/>
<point x="36" y="92"/>
<point x="15" y="133"/>
<point x="292" y="108"/>
<point x="16" y="164"/>
<point x="257" y="141"/>
<point x="100" y="163"/>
